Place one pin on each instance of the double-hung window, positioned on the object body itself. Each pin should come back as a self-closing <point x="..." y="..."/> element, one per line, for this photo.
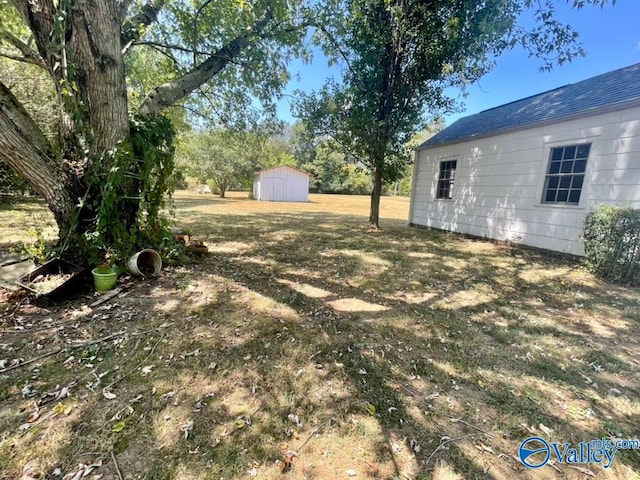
<point x="446" y="179"/>
<point x="565" y="174"/>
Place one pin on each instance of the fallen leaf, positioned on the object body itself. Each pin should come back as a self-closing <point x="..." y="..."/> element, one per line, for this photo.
<point x="59" y="408"/>
<point x="168" y="395"/>
<point x="287" y="461"/>
<point x="529" y="429"/>
<point x="186" y="428"/>
<point x="415" y="446"/>
<point x="486" y="448"/>
<point x="546" y="430"/>
<point x="32" y="470"/>
<point x="83" y="471"/>
<point x="118" y="427"/>
<point x="295" y="419"/>
<point x="371" y="409"/>
<point x="147" y="370"/>
<point x="108" y="395"/>
<point x="136" y="399"/>
<point x="35" y="415"/>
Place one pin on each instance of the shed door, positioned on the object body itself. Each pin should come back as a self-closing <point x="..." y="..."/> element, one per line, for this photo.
<point x="277" y="195"/>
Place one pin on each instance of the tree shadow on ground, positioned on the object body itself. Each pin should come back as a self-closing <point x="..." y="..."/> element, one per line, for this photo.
<point x="435" y="339"/>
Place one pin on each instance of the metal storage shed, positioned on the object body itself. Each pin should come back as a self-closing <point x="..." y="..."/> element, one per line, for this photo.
<point x="281" y="184"/>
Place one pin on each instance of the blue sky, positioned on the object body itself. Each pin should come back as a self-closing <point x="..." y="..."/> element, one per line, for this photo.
<point x="610" y="36"/>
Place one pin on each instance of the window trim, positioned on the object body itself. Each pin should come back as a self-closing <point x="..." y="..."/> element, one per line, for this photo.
<point x="449" y="181"/>
<point x="560" y="163"/>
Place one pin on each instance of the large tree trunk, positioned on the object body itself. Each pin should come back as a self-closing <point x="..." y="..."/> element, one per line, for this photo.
<point x="376" y="192"/>
<point x="81" y="49"/>
<point x="25" y="149"/>
<point x="81" y="44"/>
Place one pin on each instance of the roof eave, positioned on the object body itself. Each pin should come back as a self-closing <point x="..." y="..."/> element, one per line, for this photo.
<point x="280" y="166"/>
<point x="614" y="107"/>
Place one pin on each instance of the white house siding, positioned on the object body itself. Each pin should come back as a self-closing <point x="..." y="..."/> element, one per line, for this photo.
<point x="499" y="181"/>
<point x="281" y="184"/>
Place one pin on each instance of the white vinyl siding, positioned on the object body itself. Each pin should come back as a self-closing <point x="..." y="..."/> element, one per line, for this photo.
<point x="500" y="181"/>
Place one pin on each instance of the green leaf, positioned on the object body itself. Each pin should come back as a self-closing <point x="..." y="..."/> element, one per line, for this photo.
<point x="118" y="427"/>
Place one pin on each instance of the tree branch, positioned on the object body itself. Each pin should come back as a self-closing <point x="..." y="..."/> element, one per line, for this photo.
<point x="40" y="19"/>
<point x="14" y="112"/>
<point x="164" y="95"/>
<point x="29" y="55"/>
<point x="336" y="45"/>
<point x="25" y="149"/>
<point x="131" y="30"/>
<point x="19" y="59"/>
<point x="167" y="46"/>
<point x="195" y="27"/>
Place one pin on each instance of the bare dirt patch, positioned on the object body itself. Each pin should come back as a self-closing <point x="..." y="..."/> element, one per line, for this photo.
<point x="270" y="345"/>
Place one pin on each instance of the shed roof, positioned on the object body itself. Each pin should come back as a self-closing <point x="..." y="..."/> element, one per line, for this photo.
<point x="609" y="90"/>
<point x="286" y="166"/>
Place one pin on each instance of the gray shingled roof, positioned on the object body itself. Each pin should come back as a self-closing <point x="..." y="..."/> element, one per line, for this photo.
<point x="605" y="90"/>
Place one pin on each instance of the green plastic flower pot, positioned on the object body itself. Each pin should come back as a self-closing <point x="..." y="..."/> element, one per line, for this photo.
<point x="104" y="280"/>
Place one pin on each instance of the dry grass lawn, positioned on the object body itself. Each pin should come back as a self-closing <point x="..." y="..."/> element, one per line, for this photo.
<point x="307" y="346"/>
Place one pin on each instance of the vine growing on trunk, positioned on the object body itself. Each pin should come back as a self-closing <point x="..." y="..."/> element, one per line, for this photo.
<point x="133" y="187"/>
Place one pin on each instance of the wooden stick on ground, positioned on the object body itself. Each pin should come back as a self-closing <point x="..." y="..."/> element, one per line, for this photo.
<point x="54" y="352"/>
<point x="445" y="442"/>
<point x="106" y="297"/>
<point x="82" y="345"/>
<point x="115" y="463"/>
<point x="130" y="372"/>
<point x="307" y="440"/>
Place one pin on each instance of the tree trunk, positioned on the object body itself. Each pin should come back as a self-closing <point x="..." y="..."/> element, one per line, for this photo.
<point x="81" y="43"/>
<point x="25" y="149"/>
<point x="84" y="58"/>
<point x="376" y="192"/>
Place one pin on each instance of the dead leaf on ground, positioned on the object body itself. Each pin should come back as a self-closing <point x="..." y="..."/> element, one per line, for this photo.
<point x="83" y="471"/>
<point x="108" y="395"/>
<point x="35" y="415"/>
<point x="287" y="461"/>
<point x="546" y="430"/>
<point x="187" y="428"/>
<point x="32" y="471"/>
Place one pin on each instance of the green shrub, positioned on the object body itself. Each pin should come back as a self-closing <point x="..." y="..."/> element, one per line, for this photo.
<point x="612" y="243"/>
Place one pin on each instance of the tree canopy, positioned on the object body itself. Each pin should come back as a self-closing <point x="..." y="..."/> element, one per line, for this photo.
<point x="114" y="67"/>
<point x="399" y="58"/>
